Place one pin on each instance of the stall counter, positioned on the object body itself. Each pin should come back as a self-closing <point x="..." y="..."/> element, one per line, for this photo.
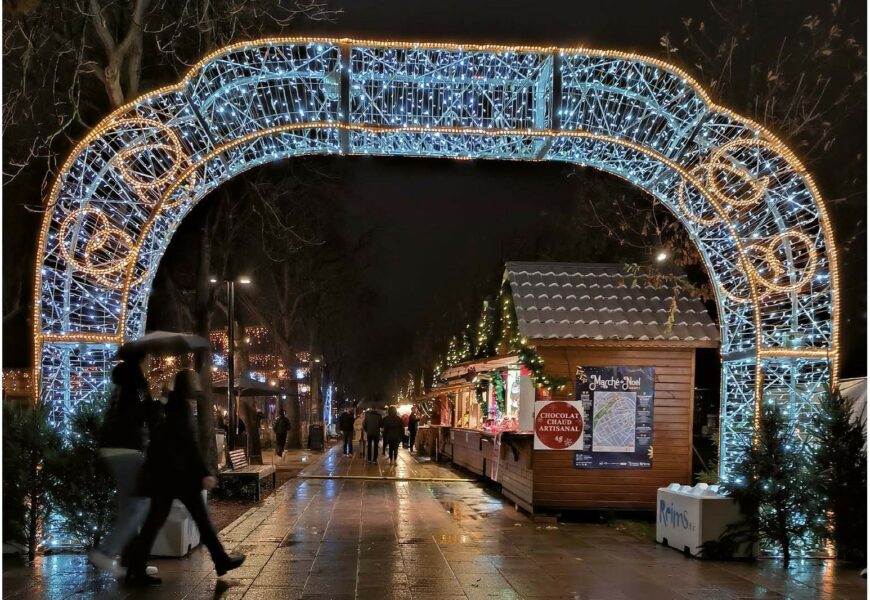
<point x="469" y="448"/>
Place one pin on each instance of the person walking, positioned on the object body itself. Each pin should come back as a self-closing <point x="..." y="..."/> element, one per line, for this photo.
<point x="405" y="419"/>
<point x="174" y="468"/>
<point x="130" y="419"/>
<point x="413" y="424"/>
<point x="373" y="433"/>
<point x="281" y="426"/>
<point x="345" y="424"/>
<point x="393" y="428"/>
<point x="358" y="433"/>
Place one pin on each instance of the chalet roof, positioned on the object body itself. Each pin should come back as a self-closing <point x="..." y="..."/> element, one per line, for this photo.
<point x="602" y="302"/>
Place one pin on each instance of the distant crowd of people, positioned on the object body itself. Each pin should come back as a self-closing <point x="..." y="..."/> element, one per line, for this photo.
<point x="369" y="427"/>
<point x="151" y="449"/>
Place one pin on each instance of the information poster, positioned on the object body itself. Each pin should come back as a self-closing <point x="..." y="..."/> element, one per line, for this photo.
<point x="617" y="407"/>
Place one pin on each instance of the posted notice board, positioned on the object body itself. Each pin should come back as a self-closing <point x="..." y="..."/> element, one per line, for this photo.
<point x="617" y="408"/>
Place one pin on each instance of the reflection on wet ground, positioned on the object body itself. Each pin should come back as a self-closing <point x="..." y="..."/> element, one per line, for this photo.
<point x="421" y="540"/>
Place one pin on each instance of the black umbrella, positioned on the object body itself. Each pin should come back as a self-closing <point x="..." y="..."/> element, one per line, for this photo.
<point x="162" y="343"/>
<point x="247" y="386"/>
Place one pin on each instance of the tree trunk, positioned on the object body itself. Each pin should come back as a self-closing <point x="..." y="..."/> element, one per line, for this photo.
<point x="248" y="414"/>
<point x="33" y="516"/>
<point x="204" y="401"/>
<point x="31" y="529"/>
<point x="112" y="82"/>
<point x="294" y="414"/>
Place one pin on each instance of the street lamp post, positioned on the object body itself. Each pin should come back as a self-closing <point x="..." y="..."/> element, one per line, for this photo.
<point x="231" y="362"/>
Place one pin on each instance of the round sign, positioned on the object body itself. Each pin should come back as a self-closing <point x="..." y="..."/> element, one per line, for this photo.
<point x="558" y="425"/>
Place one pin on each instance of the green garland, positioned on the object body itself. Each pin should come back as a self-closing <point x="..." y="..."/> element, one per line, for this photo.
<point x="493" y="341"/>
<point x="498" y="392"/>
<point x="480" y="393"/>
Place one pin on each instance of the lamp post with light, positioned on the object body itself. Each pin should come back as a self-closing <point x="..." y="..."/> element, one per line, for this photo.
<point x="231" y="347"/>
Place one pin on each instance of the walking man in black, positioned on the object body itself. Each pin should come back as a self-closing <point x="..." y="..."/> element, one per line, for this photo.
<point x="345" y="424"/>
<point x="373" y="434"/>
<point x="281" y="426"/>
<point x="392" y="425"/>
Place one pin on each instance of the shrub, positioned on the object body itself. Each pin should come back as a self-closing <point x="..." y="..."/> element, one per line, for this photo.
<point x="85" y="494"/>
<point x="31" y="449"/>
<point x="842" y="480"/>
<point x="776" y="485"/>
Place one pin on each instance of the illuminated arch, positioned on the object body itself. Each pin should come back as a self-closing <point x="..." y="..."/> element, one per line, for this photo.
<point x="747" y="202"/>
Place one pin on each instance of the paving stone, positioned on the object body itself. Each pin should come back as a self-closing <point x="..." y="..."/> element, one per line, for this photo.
<point x="422" y="540"/>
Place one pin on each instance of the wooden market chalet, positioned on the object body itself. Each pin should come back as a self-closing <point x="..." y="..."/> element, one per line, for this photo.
<point x="578" y="319"/>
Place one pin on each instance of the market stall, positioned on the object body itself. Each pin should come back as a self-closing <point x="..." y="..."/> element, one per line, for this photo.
<point x="595" y="410"/>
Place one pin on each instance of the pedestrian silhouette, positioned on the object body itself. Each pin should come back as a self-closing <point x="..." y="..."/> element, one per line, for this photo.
<point x="373" y="433"/>
<point x="281" y="426"/>
<point x="174" y="468"/>
<point x="346" y="424"/>
<point x="413" y="424"/>
<point x="128" y="424"/>
<point x="359" y="434"/>
<point x="393" y="429"/>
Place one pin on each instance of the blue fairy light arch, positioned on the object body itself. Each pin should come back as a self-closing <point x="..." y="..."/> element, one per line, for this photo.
<point x="747" y="202"/>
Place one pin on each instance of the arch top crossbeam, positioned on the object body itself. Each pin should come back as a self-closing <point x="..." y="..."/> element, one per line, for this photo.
<point x="745" y="199"/>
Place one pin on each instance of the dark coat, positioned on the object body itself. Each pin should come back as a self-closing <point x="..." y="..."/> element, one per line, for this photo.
<point x="281" y="426"/>
<point x="174" y="464"/>
<point x="393" y="428"/>
<point x="345" y="422"/>
<point x="130" y="416"/>
<point x="413" y="422"/>
<point x="373" y="424"/>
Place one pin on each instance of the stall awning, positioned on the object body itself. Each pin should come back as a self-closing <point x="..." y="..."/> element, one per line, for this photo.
<point x="482" y="365"/>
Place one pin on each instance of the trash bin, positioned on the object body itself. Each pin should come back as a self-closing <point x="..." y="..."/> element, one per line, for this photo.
<point x="315" y="437"/>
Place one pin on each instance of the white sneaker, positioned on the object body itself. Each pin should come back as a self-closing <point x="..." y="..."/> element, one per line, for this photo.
<point x="120" y="571"/>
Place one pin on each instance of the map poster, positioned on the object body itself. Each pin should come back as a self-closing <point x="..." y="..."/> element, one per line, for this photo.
<point x="617" y="406"/>
<point x="558" y="425"/>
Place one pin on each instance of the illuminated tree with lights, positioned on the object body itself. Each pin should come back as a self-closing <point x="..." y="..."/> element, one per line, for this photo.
<point x="841" y="459"/>
<point x="776" y="485"/>
<point x="31" y="447"/>
<point x="484" y="343"/>
<point x="84" y="497"/>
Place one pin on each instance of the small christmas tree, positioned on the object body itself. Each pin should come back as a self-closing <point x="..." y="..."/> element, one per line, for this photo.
<point x="776" y="485"/>
<point x="842" y="459"/>
<point x="85" y="498"/>
<point x="30" y="473"/>
<point x="484" y="344"/>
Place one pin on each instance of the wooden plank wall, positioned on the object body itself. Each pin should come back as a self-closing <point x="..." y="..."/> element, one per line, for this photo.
<point x="515" y="470"/>
<point x="557" y="484"/>
<point x="467" y="451"/>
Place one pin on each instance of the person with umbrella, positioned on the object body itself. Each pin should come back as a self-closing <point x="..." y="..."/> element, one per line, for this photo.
<point x="175" y="469"/>
<point x="130" y="421"/>
<point x="281" y="426"/>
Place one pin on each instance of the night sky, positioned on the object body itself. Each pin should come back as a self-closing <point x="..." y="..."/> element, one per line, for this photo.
<point x="442" y="226"/>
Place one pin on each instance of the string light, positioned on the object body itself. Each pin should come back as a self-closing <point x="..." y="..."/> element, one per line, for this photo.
<point x="748" y="204"/>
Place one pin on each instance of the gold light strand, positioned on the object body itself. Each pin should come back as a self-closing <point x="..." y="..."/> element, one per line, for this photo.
<point x="775" y="145"/>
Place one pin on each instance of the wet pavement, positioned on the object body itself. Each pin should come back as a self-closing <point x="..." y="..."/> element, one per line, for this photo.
<point x="335" y="535"/>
